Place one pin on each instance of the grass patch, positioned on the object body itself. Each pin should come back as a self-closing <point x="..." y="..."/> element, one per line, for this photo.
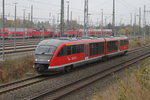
<point x="14" y="69"/>
<point x="134" y="86"/>
<point x="139" y="42"/>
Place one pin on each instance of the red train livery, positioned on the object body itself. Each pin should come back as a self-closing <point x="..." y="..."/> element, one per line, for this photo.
<point x="65" y="53"/>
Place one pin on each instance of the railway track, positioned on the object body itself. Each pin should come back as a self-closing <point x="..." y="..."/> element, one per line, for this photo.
<point x="20" y="47"/>
<point x="77" y="85"/>
<point x="10" y="43"/>
<point x="20" y="40"/>
<point x="18" y="50"/>
<point x="21" y="43"/>
<point x="138" y="49"/>
<point x="67" y="89"/>
<point x="22" y="84"/>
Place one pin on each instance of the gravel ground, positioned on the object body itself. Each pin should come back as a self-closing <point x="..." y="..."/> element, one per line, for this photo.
<point x="63" y="80"/>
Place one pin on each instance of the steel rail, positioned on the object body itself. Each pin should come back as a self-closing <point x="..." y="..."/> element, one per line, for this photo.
<point x="19" y="47"/>
<point x="6" y="88"/>
<point x="18" y="51"/>
<point x="15" y="82"/>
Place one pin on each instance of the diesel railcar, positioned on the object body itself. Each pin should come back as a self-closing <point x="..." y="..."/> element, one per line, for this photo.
<point x="63" y="54"/>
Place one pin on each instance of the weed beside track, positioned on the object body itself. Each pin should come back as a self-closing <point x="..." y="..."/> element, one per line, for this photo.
<point x="134" y="86"/>
<point x="14" y="69"/>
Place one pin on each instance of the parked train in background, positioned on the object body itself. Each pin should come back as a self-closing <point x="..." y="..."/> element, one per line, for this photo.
<point x="25" y="33"/>
<point x="34" y="33"/>
<point x="63" y="54"/>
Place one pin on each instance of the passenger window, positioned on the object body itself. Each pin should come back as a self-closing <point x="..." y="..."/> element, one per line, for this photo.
<point x="96" y="48"/>
<point x="112" y="46"/>
<point x="69" y="50"/>
<point x="74" y="49"/>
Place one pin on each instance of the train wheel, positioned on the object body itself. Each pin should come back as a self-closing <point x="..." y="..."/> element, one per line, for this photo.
<point x="105" y="58"/>
<point x="125" y="53"/>
<point x="67" y="68"/>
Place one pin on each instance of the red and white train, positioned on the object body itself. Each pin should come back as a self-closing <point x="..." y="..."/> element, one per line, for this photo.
<point x="63" y="54"/>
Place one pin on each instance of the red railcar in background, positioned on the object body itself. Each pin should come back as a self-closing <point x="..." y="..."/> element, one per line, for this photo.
<point x="33" y="33"/>
<point x="71" y="33"/>
<point x="40" y="33"/>
<point x="6" y="33"/>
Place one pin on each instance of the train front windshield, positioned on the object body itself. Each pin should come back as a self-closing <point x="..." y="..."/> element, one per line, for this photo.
<point x="44" y="53"/>
<point x="44" y="49"/>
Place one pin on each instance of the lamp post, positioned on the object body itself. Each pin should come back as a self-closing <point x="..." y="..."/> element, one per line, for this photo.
<point x="62" y="19"/>
<point x="24" y="23"/>
<point x="113" y="19"/>
<point x="86" y="18"/>
<point x="3" y="42"/>
<point x="102" y="22"/>
<point x="68" y="13"/>
<point x="15" y="27"/>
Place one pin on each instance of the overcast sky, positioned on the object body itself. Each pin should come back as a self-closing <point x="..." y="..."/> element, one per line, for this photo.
<point x="43" y="8"/>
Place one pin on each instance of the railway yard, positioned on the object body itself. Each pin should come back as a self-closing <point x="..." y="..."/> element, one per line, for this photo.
<point x="64" y="86"/>
<point x="74" y="50"/>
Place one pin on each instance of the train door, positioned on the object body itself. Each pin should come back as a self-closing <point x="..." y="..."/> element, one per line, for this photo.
<point x="86" y="51"/>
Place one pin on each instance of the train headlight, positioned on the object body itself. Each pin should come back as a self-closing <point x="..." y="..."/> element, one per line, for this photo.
<point x="48" y="60"/>
<point x="36" y="59"/>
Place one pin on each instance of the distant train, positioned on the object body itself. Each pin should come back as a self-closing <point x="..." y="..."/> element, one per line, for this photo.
<point x="31" y="33"/>
<point x="63" y="54"/>
<point x="27" y="33"/>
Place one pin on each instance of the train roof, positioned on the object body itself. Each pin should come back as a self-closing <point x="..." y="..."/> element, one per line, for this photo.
<point x="54" y="42"/>
<point x="57" y="41"/>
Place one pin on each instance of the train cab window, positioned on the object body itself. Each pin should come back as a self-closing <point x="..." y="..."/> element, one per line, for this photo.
<point x="45" y="49"/>
<point x="96" y="48"/>
<point x="62" y="52"/>
<point x="124" y="42"/>
<point x="112" y="46"/>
